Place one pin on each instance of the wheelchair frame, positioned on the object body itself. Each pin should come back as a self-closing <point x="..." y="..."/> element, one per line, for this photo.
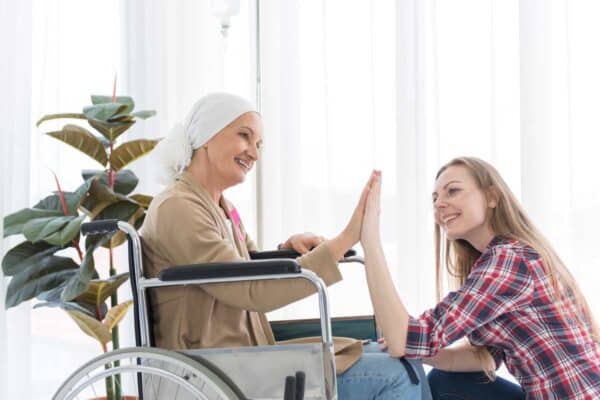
<point x="262" y="267"/>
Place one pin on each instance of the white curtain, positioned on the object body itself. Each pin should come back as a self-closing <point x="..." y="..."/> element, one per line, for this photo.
<point x="406" y="85"/>
<point x="15" y="103"/>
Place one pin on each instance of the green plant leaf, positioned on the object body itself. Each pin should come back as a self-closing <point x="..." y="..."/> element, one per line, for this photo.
<point x="99" y="197"/>
<point x="110" y="130"/>
<point x="125" y="179"/>
<point x="91" y="326"/>
<point x="81" y="281"/>
<point x="83" y="140"/>
<point x="60" y="116"/>
<point x="87" y="309"/>
<point x="25" y="255"/>
<point x="40" y="277"/>
<point x="104" y="111"/>
<point x="51" y="202"/>
<point x="123" y="211"/>
<point x="121" y="118"/>
<point x="67" y="234"/>
<point x="144" y="114"/>
<point x="116" y="314"/>
<point x="73" y="200"/>
<point x="101" y="289"/>
<point x="45" y="229"/>
<point x="128" y="101"/>
<point x="142" y="199"/>
<point x="130" y="151"/>
<point x="13" y="223"/>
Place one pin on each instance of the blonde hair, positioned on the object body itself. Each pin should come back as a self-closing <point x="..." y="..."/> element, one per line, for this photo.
<point x="509" y="220"/>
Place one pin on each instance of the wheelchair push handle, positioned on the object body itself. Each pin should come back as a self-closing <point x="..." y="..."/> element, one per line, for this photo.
<point x="100" y="227"/>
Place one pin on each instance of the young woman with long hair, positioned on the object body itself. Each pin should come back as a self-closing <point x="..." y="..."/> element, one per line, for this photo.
<point x="514" y="299"/>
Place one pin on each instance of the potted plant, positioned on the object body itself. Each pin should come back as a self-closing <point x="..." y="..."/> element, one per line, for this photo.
<point x="41" y="266"/>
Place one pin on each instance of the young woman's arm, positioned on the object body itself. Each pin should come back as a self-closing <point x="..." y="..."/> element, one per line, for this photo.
<point x="391" y="314"/>
<point x="462" y="358"/>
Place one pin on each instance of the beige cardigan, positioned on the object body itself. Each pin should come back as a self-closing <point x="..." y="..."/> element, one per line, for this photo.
<point x="185" y="226"/>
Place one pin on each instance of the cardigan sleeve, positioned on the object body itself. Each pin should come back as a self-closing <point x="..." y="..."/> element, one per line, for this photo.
<point x="190" y="235"/>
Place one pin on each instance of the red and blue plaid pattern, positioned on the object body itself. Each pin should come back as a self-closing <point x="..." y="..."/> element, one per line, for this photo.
<point x="506" y="305"/>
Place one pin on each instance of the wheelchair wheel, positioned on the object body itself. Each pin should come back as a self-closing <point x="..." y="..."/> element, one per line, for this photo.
<point x="162" y="374"/>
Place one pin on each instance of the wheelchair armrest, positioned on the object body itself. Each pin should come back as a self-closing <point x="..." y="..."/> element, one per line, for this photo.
<point x="230" y="270"/>
<point x="286" y="253"/>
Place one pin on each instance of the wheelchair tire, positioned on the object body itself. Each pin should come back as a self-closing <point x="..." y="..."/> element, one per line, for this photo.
<point x="164" y="374"/>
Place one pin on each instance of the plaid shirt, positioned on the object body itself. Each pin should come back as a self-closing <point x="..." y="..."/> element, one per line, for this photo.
<point x="505" y="305"/>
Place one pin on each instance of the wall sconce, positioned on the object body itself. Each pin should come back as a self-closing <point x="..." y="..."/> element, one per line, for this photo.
<point x="224" y="9"/>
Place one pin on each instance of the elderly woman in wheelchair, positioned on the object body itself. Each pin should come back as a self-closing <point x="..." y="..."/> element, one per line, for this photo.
<point x="191" y="222"/>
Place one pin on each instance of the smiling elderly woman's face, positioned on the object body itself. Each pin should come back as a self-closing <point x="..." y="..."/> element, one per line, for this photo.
<point x="234" y="150"/>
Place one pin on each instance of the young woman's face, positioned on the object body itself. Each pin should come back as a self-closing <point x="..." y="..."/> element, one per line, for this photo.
<point x="460" y="207"/>
<point x="234" y="150"/>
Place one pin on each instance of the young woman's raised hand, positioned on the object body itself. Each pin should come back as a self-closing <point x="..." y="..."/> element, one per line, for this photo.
<point x="353" y="229"/>
<point x="369" y="234"/>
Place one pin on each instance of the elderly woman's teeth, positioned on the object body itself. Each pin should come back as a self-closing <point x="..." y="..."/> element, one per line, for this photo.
<point x="242" y="163"/>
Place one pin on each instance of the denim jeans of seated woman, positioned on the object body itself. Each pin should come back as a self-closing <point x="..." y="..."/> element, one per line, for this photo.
<point x="471" y="386"/>
<point x="377" y="376"/>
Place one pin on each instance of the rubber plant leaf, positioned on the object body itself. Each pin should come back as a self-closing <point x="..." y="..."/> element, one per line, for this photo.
<point x="40" y="277"/>
<point x="24" y="255"/>
<point x="40" y="228"/>
<point x="101" y="289"/>
<point x="125" y="180"/>
<point x="83" y="140"/>
<point x="91" y="326"/>
<point x="110" y="130"/>
<point x="123" y="211"/>
<point x="144" y="114"/>
<point x="142" y="199"/>
<point x="101" y="99"/>
<point x="13" y="223"/>
<point x="104" y="111"/>
<point x="99" y="197"/>
<point x="67" y="234"/>
<point x="87" y="309"/>
<point x="130" y="151"/>
<point x="60" y="116"/>
<point x="86" y="272"/>
<point x="116" y="314"/>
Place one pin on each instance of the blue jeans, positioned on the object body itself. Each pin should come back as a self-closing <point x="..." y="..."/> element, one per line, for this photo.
<point x="471" y="386"/>
<point x="377" y="376"/>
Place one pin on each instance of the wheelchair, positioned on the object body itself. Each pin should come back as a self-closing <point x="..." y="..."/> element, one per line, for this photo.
<point x="282" y="371"/>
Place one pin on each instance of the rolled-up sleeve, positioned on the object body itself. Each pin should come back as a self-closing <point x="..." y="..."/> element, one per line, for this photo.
<point x="499" y="282"/>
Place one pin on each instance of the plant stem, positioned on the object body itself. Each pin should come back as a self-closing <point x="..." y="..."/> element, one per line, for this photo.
<point x="114" y="301"/>
<point x="115" y="331"/>
<point x="108" y="382"/>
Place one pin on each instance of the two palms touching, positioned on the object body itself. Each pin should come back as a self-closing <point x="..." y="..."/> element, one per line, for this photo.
<point x="364" y="223"/>
<point x="369" y="235"/>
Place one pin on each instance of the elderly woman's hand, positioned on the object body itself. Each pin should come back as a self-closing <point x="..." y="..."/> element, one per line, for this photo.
<point x="302" y="242"/>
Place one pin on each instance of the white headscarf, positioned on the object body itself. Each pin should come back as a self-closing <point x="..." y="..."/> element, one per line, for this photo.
<point x="207" y="117"/>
